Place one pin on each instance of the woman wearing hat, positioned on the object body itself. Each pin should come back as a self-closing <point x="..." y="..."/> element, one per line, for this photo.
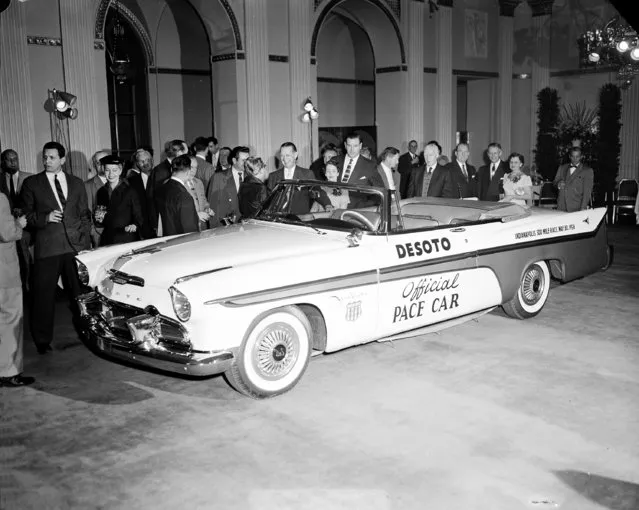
<point x="117" y="206"/>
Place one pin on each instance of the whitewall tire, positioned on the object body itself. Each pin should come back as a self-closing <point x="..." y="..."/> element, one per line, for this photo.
<point x="274" y="353"/>
<point x="532" y="293"/>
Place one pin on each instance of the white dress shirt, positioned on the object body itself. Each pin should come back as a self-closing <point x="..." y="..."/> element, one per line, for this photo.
<point x="288" y="172"/>
<point x="62" y="178"/>
<point x="237" y="177"/>
<point x="389" y="176"/>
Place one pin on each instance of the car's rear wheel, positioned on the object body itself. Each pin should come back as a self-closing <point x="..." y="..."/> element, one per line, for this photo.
<point x="532" y="293"/>
<point x="274" y="354"/>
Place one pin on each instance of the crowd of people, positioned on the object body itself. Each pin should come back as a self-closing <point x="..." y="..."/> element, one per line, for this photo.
<point x="47" y="218"/>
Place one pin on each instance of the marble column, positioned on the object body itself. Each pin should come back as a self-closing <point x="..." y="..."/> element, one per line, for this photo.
<point x="77" y="21"/>
<point x="444" y="108"/>
<point x="17" y="130"/>
<point x="299" y="43"/>
<point x="540" y="71"/>
<point x="629" y="158"/>
<point x="505" y="82"/>
<point x="415" y="61"/>
<point x="257" y="78"/>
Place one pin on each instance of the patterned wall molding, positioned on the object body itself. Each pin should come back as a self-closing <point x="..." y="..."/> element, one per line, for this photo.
<point x="382" y="4"/>
<point x="240" y="55"/>
<point x="278" y="58"/>
<point x="44" y="41"/>
<point x="346" y="81"/>
<point x="391" y="69"/>
<point x="313" y="61"/>
<point x="467" y="73"/>
<point x="507" y="7"/>
<point x="430" y="70"/>
<point x="182" y="72"/>
<point x="541" y="7"/>
<point x="222" y="57"/>
<point x="99" y="45"/>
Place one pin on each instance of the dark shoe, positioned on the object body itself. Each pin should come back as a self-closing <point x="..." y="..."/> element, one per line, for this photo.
<point x="43" y="349"/>
<point x="16" y="380"/>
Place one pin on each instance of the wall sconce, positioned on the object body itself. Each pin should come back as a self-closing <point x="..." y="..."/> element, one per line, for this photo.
<point x="310" y="114"/>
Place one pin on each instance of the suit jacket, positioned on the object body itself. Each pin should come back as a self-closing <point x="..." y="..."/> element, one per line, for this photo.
<point x="92" y="186"/>
<point x="449" y="182"/>
<point x="397" y="178"/>
<point x="576" y="194"/>
<point x="123" y="209"/>
<point x="177" y="210"/>
<point x="10" y="232"/>
<point x="252" y="195"/>
<point x="137" y="184"/>
<point x="415" y="186"/>
<point x="205" y="171"/>
<point x="71" y="235"/>
<point x="158" y="176"/>
<point x="303" y="199"/>
<point x="196" y="190"/>
<point x="222" y="196"/>
<point x="487" y="188"/>
<point x="405" y="168"/>
<point x="365" y="173"/>
<point x="6" y="188"/>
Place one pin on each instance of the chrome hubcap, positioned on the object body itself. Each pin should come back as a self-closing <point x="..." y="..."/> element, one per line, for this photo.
<point x="277" y="350"/>
<point x="533" y="285"/>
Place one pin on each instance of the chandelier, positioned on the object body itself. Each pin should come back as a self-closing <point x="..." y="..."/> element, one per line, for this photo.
<point x="615" y="45"/>
<point x="120" y="63"/>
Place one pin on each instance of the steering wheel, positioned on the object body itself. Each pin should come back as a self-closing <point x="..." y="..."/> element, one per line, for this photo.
<point x="359" y="217"/>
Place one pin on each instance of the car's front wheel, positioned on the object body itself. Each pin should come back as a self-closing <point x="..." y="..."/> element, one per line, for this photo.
<point x="274" y="353"/>
<point x="532" y="293"/>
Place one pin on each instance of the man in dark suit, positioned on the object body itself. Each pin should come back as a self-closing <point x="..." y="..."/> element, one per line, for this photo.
<point x="489" y="177"/>
<point x="224" y="186"/>
<point x="574" y="181"/>
<point x="409" y="162"/>
<point x="302" y="199"/>
<point x="177" y="207"/>
<point x="138" y="178"/>
<point x="355" y="168"/>
<point x="55" y="204"/>
<point x="457" y="179"/>
<point x="421" y="176"/>
<point x="205" y="170"/>
<point x="92" y="186"/>
<point x="159" y="175"/>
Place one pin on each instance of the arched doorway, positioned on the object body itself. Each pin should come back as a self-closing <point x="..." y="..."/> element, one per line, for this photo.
<point x="370" y="31"/>
<point x="127" y="86"/>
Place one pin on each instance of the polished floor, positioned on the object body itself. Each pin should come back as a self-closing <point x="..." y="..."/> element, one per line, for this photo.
<point x="494" y="414"/>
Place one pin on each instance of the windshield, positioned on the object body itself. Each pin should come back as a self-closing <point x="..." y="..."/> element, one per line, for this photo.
<point x="327" y="205"/>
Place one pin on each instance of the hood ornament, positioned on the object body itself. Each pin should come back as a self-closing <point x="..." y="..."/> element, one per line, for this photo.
<point x="354" y="237"/>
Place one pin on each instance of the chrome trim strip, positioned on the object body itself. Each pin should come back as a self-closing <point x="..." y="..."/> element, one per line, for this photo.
<point x="299" y="289"/>
<point x="121" y="277"/>
<point x="188" y="277"/>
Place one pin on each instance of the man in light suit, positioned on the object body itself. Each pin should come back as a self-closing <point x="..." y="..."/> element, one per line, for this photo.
<point x="408" y="163"/>
<point x="302" y="199"/>
<point x="224" y="186"/>
<point x="489" y="177"/>
<point x="387" y="168"/>
<point x="55" y="204"/>
<point x="92" y="186"/>
<point x="421" y="177"/>
<point x="11" y="310"/>
<point x="574" y="181"/>
<point x="11" y="180"/>
<point x="457" y="179"/>
<point x="205" y="170"/>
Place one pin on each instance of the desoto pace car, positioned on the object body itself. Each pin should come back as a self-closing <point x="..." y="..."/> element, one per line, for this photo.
<point x="256" y="300"/>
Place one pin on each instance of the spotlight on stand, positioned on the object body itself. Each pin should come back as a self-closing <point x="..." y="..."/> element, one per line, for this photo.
<point x="310" y="114"/>
<point x="63" y="104"/>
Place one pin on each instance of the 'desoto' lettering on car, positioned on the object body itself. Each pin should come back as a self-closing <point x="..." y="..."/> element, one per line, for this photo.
<point x="425" y="247"/>
<point x="414" y="306"/>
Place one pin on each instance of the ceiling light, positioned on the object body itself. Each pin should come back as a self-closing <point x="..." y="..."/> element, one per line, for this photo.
<point x="623" y="46"/>
<point x="634" y="54"/>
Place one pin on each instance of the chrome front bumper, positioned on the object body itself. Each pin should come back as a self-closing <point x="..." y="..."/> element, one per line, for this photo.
<point x="145" y="337"/>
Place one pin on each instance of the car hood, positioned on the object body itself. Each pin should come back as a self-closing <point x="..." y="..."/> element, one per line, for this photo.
<point x="162" y="263"/>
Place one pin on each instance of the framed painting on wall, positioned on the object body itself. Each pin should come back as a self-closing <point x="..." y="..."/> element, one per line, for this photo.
<point x="475" y="34"/>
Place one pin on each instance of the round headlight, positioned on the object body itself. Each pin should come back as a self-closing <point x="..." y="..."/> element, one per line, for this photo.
<point x="181" y="305"/>
<point x="83" y="272"/>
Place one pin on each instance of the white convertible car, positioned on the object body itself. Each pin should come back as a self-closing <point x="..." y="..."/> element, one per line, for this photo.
<point x="255" y="300"/>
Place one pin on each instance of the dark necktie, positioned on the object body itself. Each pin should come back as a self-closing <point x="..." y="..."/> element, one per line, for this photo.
<point x="463" y="167"/>
<point x="12" y="191"/>
<point x="430" y="170"/>
<point x="492" y="171"/>
<point x="58" y="189"/>
<point x="347" y="172"/>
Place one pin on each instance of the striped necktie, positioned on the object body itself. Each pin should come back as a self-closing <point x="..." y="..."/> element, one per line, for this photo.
<point x="347" y="172"/>
<point x="58" y="189"/>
